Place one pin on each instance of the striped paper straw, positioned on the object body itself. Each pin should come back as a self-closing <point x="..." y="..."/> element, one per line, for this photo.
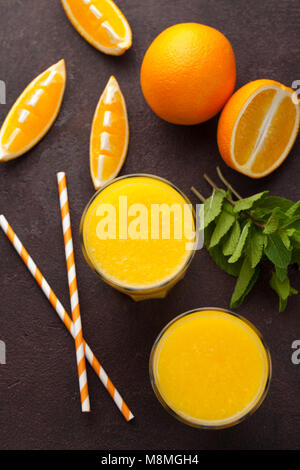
<point x="63" y="315"/>
<point x="73" y="289"/>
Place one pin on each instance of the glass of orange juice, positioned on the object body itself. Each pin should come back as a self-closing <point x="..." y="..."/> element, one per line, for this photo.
<point x="210" y="368"/>
<point x="138" y="233"/>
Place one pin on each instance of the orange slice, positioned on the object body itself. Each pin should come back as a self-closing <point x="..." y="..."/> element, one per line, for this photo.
<point x="109" y="135"/>
<point x="258" y="127"/>
<point x="33" y="113"/>
<point x="101" y="23"/>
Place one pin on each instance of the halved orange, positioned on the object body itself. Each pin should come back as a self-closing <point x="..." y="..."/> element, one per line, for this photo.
<point x="258" y="127"/>
<point x="33" y="113"/>
<point x="109" y="135"/>
<point x="101" y="23"/>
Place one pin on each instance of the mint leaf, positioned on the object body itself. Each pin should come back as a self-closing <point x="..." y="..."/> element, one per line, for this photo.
<point x="247" y="203"/>
<point x="290" y="222"/>
<point x="243" y="283"/>
<point x="285" y="238"/>
<point x="217" y="255"/>
<point x="227" y="205"/>
<point x="281" y="273"/>
<point x="224" y="224"/>
<point x="256" y="247"/>
<point x="272" y="223"/>
<point x="290" y="232"/>
<point x="294" y="224"/>
<point x="241" y="243"/>
<point x="254" y="278"/>
<point x="277" y="252"/>
<point x="231" y="242"/>
<point x="230" y="268"/>
<point x="268" y="203"/>
<point x="296" y="236"/>
<point x="213" y="206"/>
<point x="283" y="289"/>
<point x="294" y="210"/>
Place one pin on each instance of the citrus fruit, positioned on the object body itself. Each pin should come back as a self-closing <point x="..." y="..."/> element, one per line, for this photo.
<point x="258" y="127"/>
<point x="101" y="23"/>
<point x="109" y="135"/>
<point x="188" y="73"/>
<point x="33" y="113"/>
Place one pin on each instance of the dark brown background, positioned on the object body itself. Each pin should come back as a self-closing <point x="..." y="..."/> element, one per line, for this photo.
<point x="39" y="399"/>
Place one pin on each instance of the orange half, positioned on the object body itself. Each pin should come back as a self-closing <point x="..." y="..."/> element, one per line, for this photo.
<point x="33" y="113"/>
<point x="109" y="135"/>
<point x="258" y="127"/>
<point x="101" y="23"/>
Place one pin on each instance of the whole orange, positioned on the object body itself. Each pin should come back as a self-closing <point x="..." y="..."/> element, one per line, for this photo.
<point x="188" y="73"/>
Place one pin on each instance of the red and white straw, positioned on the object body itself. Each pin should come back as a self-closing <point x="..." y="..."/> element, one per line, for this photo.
<point x="63" y="315"/>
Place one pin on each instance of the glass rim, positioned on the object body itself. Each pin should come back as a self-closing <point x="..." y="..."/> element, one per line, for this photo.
<point x="194" y="423"/>
<point x="113" y="283"/>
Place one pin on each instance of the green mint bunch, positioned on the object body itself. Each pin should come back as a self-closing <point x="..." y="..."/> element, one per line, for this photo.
<point x="241" y="233"/>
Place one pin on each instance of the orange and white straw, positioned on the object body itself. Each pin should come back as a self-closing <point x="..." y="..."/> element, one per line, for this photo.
<point x="63" y="315"/>
<point x="73" y="289"/>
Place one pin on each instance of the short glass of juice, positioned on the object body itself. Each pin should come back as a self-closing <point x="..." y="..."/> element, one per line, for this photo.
<point x="138" y="233"/>
<point x="210" y="368"/>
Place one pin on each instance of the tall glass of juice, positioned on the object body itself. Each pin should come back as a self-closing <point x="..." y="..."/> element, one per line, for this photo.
<point x="210" y="368"/>
<point x="138" y="233"/>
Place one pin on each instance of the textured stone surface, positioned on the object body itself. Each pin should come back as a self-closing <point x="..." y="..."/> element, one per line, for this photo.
<point x="39" y="399"/>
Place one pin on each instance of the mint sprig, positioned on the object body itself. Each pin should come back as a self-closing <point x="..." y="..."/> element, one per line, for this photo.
<point x="242" y="233"/>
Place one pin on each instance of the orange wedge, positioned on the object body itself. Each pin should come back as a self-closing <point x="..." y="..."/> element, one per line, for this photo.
<point x="258" y="127"/>
<point x="33" y="113"/>
<point x="109" y="135"/>
<point x="101" y="23"/>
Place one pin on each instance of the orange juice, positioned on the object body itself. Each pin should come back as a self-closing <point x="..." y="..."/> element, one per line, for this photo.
<point x="210" y="368"/>
<point x="134" y="255"/>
